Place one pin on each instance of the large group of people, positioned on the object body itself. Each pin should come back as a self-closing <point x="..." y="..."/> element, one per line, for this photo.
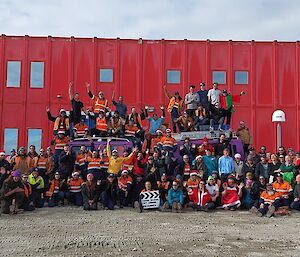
<point x="192" y="174"/>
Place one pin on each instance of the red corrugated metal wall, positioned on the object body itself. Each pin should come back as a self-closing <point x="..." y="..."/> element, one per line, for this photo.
<point x="139" y="72"/>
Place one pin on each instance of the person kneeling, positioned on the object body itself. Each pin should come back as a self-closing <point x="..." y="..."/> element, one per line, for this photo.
<point x="231" y="194"/>
<point x="90" y="193"/>
<point x="200" y="198"/>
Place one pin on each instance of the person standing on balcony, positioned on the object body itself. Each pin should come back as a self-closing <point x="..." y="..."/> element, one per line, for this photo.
<point x="191" y="101"/>
<point x="100" y="102"/>
<point x="175" y="107"/>
<point x="213" y="95"/>
<point x="203" y="99"/>
<point x="121" y="107"/>
<point x="61" y="122"/>
<point x="77" y="105"/>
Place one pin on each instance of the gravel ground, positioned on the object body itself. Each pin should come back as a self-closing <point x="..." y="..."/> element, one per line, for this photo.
<point x="70" y="231"/>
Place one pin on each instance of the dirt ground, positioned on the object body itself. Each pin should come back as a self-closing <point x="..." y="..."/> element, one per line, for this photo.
<point x="70" y="231"/>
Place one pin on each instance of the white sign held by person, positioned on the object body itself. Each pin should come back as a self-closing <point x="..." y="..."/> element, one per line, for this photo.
<point x="150" y="200"/>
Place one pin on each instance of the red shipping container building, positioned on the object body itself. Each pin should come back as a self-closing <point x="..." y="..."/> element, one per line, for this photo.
<point x="35" y="70"/>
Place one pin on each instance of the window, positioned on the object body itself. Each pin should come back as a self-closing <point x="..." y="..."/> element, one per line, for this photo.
<point x="106" y="75"/>
<point x="35" y="138"/>
<point x="10" y="139"/>
<point x="173" y="76"/>
<point x="37" y="74"/>
<point x="219" y="77"/>
<point x="241" y="77"/>
<point x="13" y="74"/>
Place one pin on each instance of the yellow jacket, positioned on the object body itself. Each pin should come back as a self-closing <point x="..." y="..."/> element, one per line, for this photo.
<point x="115" y="164"/>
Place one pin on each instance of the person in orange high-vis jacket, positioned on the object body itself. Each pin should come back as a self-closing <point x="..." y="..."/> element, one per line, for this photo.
<point x="27" y="204"/>
<point x="56" y="192"/>
<point x="101" y="126"/>
<point x="124" y="184"/>
<point x="268" y="202"/>
<point x="175" y="107"/>
<point x="284" y="189"/>
<point x="80" y="161"/>
<point x="100" y="102"/>
<point x="81" y="130"/>
<point x="168" y="143"/>
<point x="152" y="142"/>
<point x="94" y="166"/>
<point x="42" y="165"/>
<point x="61" y="122"/>
<point x="22" y="162"/>
<point x="74" y="194"/>
<point x="59" y="142"/>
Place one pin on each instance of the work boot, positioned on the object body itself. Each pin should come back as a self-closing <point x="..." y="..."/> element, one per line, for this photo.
<point x="165" y="206"/>
<point x="179" y="207"/>
<point x="253" y="210"/>
<point x="270" y="211"/>
<point x="174" y="207"/>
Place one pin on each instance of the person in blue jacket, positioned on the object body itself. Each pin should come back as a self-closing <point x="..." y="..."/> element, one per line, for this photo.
<point x="175" y="198"/>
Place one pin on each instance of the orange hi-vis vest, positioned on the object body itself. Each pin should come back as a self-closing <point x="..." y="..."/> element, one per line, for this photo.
<point x="101" y="124"/>
<point x="136" y="119"/>
<point x="168" y="141"/>
<point x="99" y="104"/>
<point x="105" y="163"/>
<point x="75" y="185"/>
<point x="123" y="182"/>
<point x="17" y="161"/>
<point x="60" y="143"/>
<point x="42" y="163"/>
<point x="130" y="131"/>
<point x="175" y="103"/>
<point x="81" y="129"/>
<point x="269" y="199"/>
<point x="94" y="163"/>
<point x="193" y="184"/>
<point x="27" y="189"/>
<point x="80" y="159"/>
<point x="54" y="187"/>
<point x="61" y="124"/>
<point x="282" y="189"/>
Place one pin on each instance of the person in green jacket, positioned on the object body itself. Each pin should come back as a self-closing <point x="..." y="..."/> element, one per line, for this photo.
<point x="38" y="187"/>
<point x="289" y="170"/>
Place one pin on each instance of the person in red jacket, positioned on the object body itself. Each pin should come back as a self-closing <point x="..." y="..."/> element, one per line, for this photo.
<point x="139" y="164"/>
<point x="200" y="198"/>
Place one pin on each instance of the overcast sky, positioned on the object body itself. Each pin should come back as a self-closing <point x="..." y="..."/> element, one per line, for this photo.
<point x="156" y="19"/>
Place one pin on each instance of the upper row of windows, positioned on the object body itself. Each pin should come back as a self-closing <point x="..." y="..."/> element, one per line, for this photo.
<point x="37" y="71"/>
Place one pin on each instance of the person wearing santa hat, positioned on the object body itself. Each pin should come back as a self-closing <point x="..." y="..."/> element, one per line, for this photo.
<point x="125" y="185"/>
<point x="168" y="143"/>
<point x="74" y="194"/>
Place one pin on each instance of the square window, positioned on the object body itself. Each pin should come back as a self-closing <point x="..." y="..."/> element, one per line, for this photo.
<point x="10" y="139"/>
<point x="241" y="77"/>
<point x="13" y="74"/>
<point x="37" y="74"/>
<point x="35" y="138"/>
<point x="219" y="77"/>
<point x="173" y="77"/>
<point x="106" y="75"/>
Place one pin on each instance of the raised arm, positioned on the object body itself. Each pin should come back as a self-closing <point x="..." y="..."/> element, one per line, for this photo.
<point x="167" y="92"/>
<point x="88" y="87"/>
<point x="50" y="117"/>
<point x="71" y="90"/>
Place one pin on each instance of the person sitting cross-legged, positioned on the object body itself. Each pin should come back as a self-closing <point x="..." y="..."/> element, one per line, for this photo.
<point x="200" y="198"/>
